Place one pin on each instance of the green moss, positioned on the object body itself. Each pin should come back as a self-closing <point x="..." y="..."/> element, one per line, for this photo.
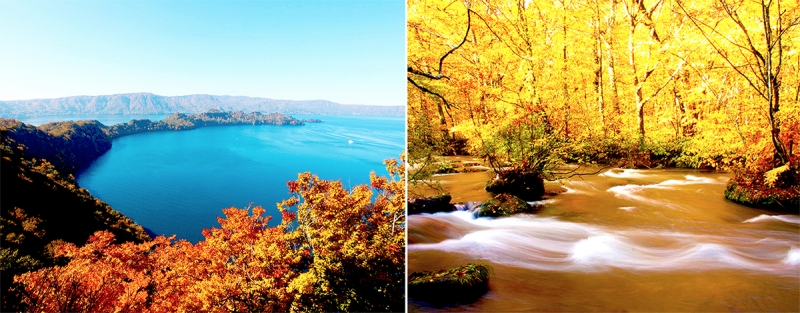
<point x="503" y="205"/>
<point x="460" y="284"/>
<point x="773" y="199"/>
<point x="767" y="184"/>
<point x="445" y="168"/>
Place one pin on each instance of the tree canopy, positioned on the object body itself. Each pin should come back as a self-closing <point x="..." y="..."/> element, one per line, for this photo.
<point x="714" y="83"/>
<point x="333" y="250"/>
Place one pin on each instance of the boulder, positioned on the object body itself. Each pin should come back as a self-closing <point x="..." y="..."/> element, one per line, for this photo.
<point x="523" y="184"/>
<point x="504" y="205"/>
<point x="461" y="284"/>
<point x="432" y="204"/>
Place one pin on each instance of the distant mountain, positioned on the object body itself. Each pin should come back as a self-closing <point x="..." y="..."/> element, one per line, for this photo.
<point x="148" y="103"/>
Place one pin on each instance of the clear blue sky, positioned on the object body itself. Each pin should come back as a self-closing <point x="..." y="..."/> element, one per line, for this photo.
<point x="350" y="52"/>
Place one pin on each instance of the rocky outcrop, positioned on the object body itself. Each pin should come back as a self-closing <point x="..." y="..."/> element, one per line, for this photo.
<point x="433" y="204"/>
<point x="526" y="185"/>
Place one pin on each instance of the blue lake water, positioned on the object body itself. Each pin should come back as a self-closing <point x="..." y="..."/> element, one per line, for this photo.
<point x="178" y="182"/>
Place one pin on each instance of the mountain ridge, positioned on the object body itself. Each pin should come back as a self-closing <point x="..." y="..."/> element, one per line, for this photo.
<point x="149" y="103"/>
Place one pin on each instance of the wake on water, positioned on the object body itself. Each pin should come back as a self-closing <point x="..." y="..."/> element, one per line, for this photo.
<point x="767" y="218"/>
<point x="631" y="191"/>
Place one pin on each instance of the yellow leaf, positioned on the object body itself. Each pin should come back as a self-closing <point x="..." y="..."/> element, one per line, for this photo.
<point x="772" y="175"/>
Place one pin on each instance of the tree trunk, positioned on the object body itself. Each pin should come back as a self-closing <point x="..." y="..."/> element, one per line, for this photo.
<point x="773" y="44"/>
<point x="679" y="109"/>
<point x="564" y="70"/>
<point x="598" y="61"/>
<point x="612" y="78"/>
<point x="637" y="83"/>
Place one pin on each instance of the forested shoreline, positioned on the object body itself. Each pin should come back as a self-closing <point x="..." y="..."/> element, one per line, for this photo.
<point x="181" y="121"/>
<point x="43" y="207"/>
<point x="72" y="146"/>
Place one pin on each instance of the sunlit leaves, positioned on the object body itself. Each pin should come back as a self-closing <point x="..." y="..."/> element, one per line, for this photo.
<point x="334" y="249"/>
<point x="567" y="63"/>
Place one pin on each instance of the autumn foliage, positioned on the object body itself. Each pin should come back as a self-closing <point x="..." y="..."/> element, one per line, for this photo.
<point x="333" y="250"/>
<point x="636" y="83"/>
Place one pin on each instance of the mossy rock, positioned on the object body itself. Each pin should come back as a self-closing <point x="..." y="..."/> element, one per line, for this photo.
<point x="474" y="169"/>
<point x="785" y="200"/>
<point x="433" y="204"/>
<point x="446" y="168"/>
<point x="767" y="186"/>
<point x="526" y="185"/>
<point x="504" y="205"/>
<point x="461" y="284"/>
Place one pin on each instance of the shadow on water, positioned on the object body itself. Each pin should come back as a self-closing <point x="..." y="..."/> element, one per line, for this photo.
<point x="150" y="233"/>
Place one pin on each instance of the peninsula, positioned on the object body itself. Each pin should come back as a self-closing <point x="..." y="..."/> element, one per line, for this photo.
<point x="71" y="146"/>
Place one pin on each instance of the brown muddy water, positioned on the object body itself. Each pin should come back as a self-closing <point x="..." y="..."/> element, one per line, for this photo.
<point x="621" y="241"/>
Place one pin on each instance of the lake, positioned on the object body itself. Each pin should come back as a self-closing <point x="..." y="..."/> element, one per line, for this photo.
<point x="178" y="182"/>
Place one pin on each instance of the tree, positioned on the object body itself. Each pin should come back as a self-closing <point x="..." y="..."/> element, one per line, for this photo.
<point x="749" y="37"/>
<point x="513" y="77"/>
<point x="334" y="250"/>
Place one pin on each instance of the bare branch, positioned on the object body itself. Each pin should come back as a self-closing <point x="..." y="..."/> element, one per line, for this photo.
<point x="441" y="60"/>
<point x="719" y="51"/>
<point x="671" y="77"/>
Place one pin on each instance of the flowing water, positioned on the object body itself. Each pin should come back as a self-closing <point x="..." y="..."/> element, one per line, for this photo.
<point x="623" y="240"/>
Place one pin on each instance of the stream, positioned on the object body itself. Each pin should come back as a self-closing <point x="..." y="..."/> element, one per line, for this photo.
<point x="619" y="241"/>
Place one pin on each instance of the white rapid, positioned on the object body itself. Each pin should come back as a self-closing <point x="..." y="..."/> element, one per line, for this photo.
<point x="623" y="239"/>
<point x="546" y="243"/>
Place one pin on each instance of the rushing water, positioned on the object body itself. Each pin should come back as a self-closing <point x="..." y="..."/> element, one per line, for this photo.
<point x="178" y="182"/>
<point x="624" y="240"/>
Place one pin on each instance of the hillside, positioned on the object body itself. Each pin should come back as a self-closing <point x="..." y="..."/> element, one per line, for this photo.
<point x="42" y="206"/>
<point x="148" y="103"/>
<point x="68" y="146"/>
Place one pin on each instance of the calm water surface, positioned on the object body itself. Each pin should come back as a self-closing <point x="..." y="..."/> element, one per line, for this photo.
<point x="625" y="240"/>
<point x="178" y="182"/>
